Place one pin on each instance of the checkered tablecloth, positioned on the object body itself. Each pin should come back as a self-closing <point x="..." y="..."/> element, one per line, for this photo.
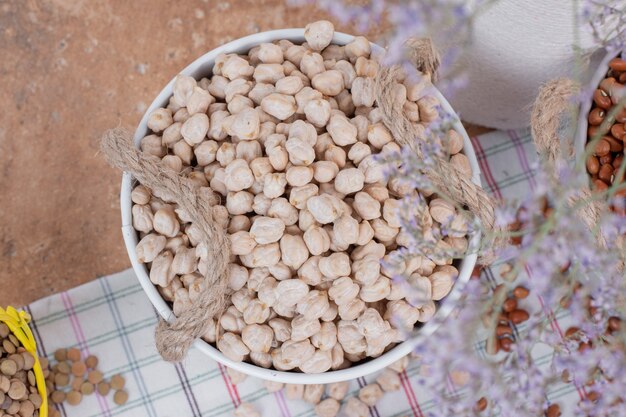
<point x="113" y="319"/>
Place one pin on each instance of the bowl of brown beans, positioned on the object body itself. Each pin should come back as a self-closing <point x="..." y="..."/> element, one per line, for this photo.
<point x="601" y="134"/>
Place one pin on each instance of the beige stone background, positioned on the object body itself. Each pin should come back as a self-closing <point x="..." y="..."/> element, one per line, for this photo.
<point x="69" y="70"/>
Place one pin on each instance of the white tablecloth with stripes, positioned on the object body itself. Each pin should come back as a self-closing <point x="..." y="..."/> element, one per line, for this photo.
<point x="113" y="319"/>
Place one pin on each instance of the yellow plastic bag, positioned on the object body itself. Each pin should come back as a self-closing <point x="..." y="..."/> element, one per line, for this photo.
<point x="18" y="324"/>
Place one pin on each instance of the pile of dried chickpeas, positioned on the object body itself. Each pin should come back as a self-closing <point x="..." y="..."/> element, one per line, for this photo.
<point x="607" y="155"/>
<point x="19" y="396"/>
<point x="286" y="136"/>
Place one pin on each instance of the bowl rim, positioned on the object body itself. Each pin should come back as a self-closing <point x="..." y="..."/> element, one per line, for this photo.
<point x="202" y="66"/>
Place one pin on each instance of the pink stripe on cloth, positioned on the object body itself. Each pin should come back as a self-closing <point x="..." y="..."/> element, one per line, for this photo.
<point x="232" y="389"/>
<point x="410" y="394"/>
<point x="521" y="155"/>
<point x="284" y="411"/>
<point x="82" y="342"/>
<point x="484" y="167"/>
<point x="281" y="395"/>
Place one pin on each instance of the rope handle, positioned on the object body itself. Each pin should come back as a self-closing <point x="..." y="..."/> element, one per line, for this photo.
<point x="446" y="177"/>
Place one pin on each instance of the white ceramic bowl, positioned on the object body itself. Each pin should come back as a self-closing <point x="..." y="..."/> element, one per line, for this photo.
<point x="202" y="67"/>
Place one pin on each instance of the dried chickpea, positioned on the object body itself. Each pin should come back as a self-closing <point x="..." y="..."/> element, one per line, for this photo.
<point x="294" y="250"/>
<point x="159" y="120"/>
<point x="281" y="106"/>
<point x="258" y="338"/>
<point x="389" y="381"/>
<point x="327" y="408"/>
<point x="354" y="407"/>
<point x="371" y="394"/>
<point x="246" y="410"/>
<point x="319" y="34"/>
<point x="317" y="111"/>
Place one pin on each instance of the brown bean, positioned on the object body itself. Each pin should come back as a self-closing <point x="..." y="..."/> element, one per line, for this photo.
<point x="616" y="145"/>
<point x="606" y="159"/>
<point x="13" y="408"/>
<point x="35" y="398"/>
<point x="27" y="409"/>
<point x="606" y="173"/>
<point x="518" y="316"/>
<point x="31" y="378"/>
<point x="8" y="367"/>
<point x="8" y="346"/>
<point x="79" y="369"/>
<point x="87" y="388"/>
<point x="607" y="85"/>
<point x="593" y="165"/>
<point x="620" y="117"/>
<point x="104" y="388"/>
<point x="617" y="130"/>
<point x="73" y="354"/>
<point x="5" y="383"/>
<point x="571" y="331"/>
<point x="117" y="382"/>
<point x="617" y="64"/>
<point x="602" y="99"/>
<point x="596" y="116"/>
<point x="554" y="410"/>
<point x="17" y="390"/>
<point x="76" y="384"/>
<point x="509" y="305"/>
<point x="94" y="376"/>
<point x="614" y="323"/>
<point x="64" y="367"/>
<point x="4" y="330"/>
<point x="505" y="344"/>
<point x="481" y="404"/>
<point x="29" y="360"/>
<point x="61" y="380"/>
<point x="18" y="359"/>
<point x="91" y="362"/>
<point x="120" y="397"/>
<point x="593" y="396"/>
<point x="592" y="132"/>
<point x="618" y="161"/>
<point x="520" y="292"/>
<point x="503" y="329"/>
<point x="74" y="397"/>
<point x="622" y="78"/>
<point x="60" y="355"/>
<point x="602" y="148"/>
